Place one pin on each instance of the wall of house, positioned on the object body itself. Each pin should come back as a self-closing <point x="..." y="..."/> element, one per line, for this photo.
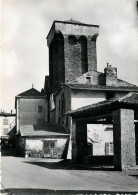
<point x="5" y="125"/>
<point x="80" y="98"/>
<point x="63" y="105"/>
<point x="29" y="113"/>
<point x="98" y="135"/>
<point x="17" y="115"/>
<point x="35" y="147"/>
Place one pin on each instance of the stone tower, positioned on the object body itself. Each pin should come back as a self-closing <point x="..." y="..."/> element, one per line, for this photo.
<point x="72" y="51"/>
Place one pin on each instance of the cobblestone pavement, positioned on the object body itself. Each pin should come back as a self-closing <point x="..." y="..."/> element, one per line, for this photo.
<point x="45" y="176"/>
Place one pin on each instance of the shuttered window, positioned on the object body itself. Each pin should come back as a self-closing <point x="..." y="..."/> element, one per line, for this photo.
<point x="109" y="148"/>
<point x="5" y="121"/>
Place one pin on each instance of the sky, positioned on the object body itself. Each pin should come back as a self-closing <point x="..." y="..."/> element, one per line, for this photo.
<point x="26" y="23"/>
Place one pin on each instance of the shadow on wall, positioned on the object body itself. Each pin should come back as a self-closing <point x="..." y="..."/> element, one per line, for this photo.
<point x="65" y="151"/>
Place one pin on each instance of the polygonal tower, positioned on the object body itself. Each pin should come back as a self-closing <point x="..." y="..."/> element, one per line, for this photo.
<point x="72" y="51"/>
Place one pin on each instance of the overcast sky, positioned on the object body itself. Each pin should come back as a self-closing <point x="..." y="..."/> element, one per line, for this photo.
<point x="26" y="23"/>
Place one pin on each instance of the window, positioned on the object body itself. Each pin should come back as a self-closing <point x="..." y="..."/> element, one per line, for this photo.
<point x="52" y="102"/>
<point x="72" y="40"/>
<point x="5" y="121"/>
<point x="109" y="148"/>
<point x="40" y="109"/>
<point x="5" y="131"/>
<point x="50" y="144"/>
<point x="88" y="80"/>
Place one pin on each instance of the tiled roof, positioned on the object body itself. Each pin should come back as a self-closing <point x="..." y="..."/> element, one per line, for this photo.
<point x="102" y="87"/>
<point x="43" y="130"/>
<point x="31" y="92"/>
<point x="130" y="100"/>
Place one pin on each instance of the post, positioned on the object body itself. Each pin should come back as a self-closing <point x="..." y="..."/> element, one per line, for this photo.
<point x="81" y="140"/>
<point x="124" y="139"/>
<point x="73" y="140"/>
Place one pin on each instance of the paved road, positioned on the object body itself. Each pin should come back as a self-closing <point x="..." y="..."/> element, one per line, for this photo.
<point x="40" y="176"/>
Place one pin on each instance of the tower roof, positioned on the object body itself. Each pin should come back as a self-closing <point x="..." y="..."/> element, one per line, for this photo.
<point x="78" y="28"/>
<point x="72" y="21"/>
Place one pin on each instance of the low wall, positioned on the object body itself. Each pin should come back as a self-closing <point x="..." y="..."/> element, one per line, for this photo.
<point x="98" y="160"/>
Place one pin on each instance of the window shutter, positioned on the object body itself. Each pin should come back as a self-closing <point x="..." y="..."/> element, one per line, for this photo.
<point x="111" y="148"/>
<point x="106" y="148"/>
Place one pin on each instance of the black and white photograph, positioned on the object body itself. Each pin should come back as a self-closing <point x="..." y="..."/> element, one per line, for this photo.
<point x="69" y="97"/>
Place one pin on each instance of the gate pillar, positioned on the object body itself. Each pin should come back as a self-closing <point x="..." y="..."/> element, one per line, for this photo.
<point x="124" y="139"/>
<point x="79" y="140"/>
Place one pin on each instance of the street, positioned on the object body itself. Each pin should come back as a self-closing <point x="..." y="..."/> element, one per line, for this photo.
<point x="42" y="176"/>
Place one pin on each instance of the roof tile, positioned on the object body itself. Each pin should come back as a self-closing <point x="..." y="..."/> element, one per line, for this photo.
<point x="102" y="87"/>
<point x="43" y="130"/>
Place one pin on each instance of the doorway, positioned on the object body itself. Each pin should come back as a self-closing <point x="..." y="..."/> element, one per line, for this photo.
<point x="49" y="148"/>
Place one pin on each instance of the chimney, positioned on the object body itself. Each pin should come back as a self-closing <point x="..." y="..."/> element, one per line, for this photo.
<point x="110" y="75"/>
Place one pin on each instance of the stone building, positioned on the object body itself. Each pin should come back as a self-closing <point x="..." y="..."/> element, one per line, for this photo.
<point x="35" y="137"/>
<point x="74" y="81"/>
<point x="30" y="108"/>
<point x="97" y="110"/>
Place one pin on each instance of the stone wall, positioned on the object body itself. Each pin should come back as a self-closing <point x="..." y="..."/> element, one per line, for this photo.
<point x="56" y="62"/>
<point x="98" y="160"/>
<point x="72" y="52"/>
<point x="80" y="56"/>
<point x="124" y="139"/>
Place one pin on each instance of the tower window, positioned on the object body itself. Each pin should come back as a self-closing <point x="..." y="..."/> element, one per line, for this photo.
<point x="72" y="40"/>
<point x="88" y="80"/>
